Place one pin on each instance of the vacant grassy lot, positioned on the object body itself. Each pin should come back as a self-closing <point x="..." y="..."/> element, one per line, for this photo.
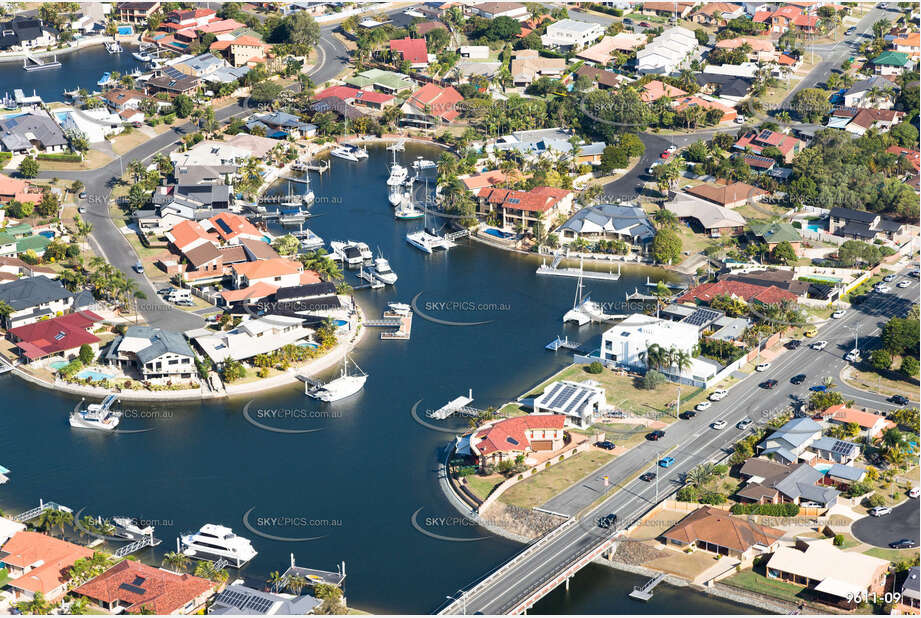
<point x="542" y="486"/>
<point x="876" y="383"/>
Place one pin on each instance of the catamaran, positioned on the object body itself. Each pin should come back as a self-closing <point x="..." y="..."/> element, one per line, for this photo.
<point x="344" y="386"/>
<point x="214" y="542"/>
<point x="97" y="415"/>
<point x="344" y="153"/>
<point x="398" y="173"/>
<point x="584" y="310"/>
<point x="383" y="271"/>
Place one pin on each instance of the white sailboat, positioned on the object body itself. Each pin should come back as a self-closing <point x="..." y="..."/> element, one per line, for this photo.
<point x="584" y="310"/>
<point x="97" y="415"/>
<point x="344" y="386"/>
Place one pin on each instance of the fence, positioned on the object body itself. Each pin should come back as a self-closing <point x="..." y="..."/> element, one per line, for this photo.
<point x="808" y="234"/>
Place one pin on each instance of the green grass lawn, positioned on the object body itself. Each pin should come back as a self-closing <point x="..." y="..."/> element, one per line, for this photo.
<point x="542" y="486"/>
<point x="482" y="486"/>
<point x="893" y="555"/>
<point x="749" y="580"/>
<point x="4" y="577"/>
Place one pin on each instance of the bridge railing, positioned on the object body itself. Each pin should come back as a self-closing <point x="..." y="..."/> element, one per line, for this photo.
<point x="456" y="606"/>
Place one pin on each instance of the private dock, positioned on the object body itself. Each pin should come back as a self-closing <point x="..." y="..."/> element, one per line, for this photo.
<point x="564" y="343"/>
<point x="458" y="405"/>
<point x="373" y="282"/>
<point x="670" y="286"/>
<point x="38" y="64"/>
<point x="554" y="268"/>
<point x="645" y="593"/>
<point x="400" y="321"/>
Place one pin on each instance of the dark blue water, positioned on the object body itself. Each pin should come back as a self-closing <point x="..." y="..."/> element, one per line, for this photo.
<point x="79" y="69"/>
<point x="357" y="481"/>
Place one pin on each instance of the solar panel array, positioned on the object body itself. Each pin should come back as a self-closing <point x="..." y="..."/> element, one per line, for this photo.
<point x="224" y="226"/>
<point x="841" y="447"/>
<point x="701" y="317"/>
<point x="568" y="391"/>
<point x="174" y="73"/>
<point x="549" y="395"/>
<point x="245" y="601"/>
<point x="133" y="588"/>
<point x="577" y="401"/>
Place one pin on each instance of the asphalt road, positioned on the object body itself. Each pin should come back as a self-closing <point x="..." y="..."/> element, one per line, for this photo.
<point x="901" y="523"/>
<point x="108" y="241"/>
<point x="690" y="442"/>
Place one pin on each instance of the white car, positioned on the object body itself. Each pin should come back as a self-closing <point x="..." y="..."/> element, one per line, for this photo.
<point x="853" y="356"/>
<point x="720" y="424"/>
<point x="703" y="405"/>
<point x="671" y="148"/>
<point x="879" y="511"/>
<point x="820" y="345"/>
<point x="888" y="278"/>
<point x="837" y="315"/>
<point x="718" y="394"/>
<point x="883" y="289"/>
<point x="914" y="492"/>
<point x="763" y="367"/>
<point x="903" y="284"/>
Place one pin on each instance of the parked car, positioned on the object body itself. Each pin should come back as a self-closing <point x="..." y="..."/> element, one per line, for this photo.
<point x="138" y="267"/>
<point x="740" y="119"/>
<point x="915" y="273"/>
<point x="793" y="344"/>
<point x="605" y="444"/>
<point x="903" y="544"/>
<point x="82" y="210"/>
<point x="666" y="461"/>
<point x="665" y="154"/>
<point x="850" y="31"/>
<point x="818" y="388"/>
<point x="82" y="195"/>
<point x="763" y="367"/>
<point x="648" y="476"/>
<point x="744" y="423"/>
<point x="837" y="315"/>
<point x="720" y="424"/>
<point x="185" y="303"/>
<point x="703" y="405"/>
<point x="628" y="21"/>
<point x="768" y="383"/>
<point x="658" y="434"/>
<point x="645" y="24"/>
<point x="853" y="356"/>
<point x="883" y="289"/>
<point x="888" y="278"/>
<point x="718" y="394"/>
<point x="914" y="492"/>
<point x="811" y="331"/>
<point x="900" y="400"/>
<point x="904" y="283"/>
<point x="688" y="415"/>
<point x="607" y="521"/>
<point x="879" y="511"/>
<point x="671" y="149"/>
<point x="798" y="378"/>
<point x="819" y="345"/>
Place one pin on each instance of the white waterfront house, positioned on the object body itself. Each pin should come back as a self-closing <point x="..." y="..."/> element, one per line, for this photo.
<point x="579" y="402"/>
<point x="627" y="342"/>
<point x="571" y="34"/>
<point x="667" y="53"/>
<point x="253" y="337"/>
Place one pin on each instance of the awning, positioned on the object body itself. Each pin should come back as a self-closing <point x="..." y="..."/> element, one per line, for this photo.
<point x="838" y="588"/>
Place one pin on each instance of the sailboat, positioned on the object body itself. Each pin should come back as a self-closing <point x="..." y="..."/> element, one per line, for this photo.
<point x="406" y="210"/>
<point x="583" y="308"/>
<point x="346" y="385"/>
<point x="425" y="240"/>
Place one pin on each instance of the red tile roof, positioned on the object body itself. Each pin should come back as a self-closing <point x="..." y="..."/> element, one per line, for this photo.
<point x="230" y="225"/>
<point x="805" y="21"/>
<point x="413" y="51"/>
<point x="187" y="232"/>
<point x="19" y="190"/>
<point x="47" y="337"/>
<point x="843" y="414"/>
<point x="511" y="434"/>
<point x="340" y="92"/>
<point x="767" y="295"/>
<point x="538" y="199"/>
<point x="759" y="140"/>
<point x="437" y="101"/>
<point x="261" y="269"/>
<point x="913" y="156"/>
<point x="26" y="548"/>
<point x="254" y="292"/>
<point x="139" y="586"/>
<point x="369" y="96"/>
<point x="724" y="194"/>
<point x="655" y="90"/>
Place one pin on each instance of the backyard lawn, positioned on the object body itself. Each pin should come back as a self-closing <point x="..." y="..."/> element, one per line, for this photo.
<point x="749" y="580"/>
<point x="482" y="486"/>
<point x="542" y="486"/>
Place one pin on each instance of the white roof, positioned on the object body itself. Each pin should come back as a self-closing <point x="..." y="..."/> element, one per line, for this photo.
<point x="710" y="215"/>
<point x="573" y="25"/>
<point x="253" y="337"/>
<point x="746" y="69"/>
<point x="8" y="528"/>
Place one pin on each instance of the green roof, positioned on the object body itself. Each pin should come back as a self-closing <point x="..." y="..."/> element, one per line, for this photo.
<point x="6" y="239"/>
<point x="36" y="243"/>
<point x="776" y="232"/>
<point x="388" y="79"/>
<point x="20" y="229"/>
<point x="891" y="59"/>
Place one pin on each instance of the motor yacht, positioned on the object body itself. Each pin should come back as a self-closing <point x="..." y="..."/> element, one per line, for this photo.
<point x="131" y="528"/>
<point x="98" y="416"/>
<point x="214" y="542"/>
<point x="383" y="271"/>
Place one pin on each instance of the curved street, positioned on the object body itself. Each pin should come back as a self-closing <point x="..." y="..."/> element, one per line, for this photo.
<point x="901" y="523"/>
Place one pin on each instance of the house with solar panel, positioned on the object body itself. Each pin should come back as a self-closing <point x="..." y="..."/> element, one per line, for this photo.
<point x="579" y="402"/>
<point x="240" y="600"/>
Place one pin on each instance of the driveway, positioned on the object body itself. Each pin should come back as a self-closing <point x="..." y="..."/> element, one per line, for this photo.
<point x="901" y="523"/>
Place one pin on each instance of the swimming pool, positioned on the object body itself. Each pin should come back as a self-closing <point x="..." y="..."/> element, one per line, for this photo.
<point x="823" y="278"/>
<point x="816" y="227"/>
<point x="498" y="233"/>
<point x="823" y="467"/>
<point x="308" y="344"/>
<point x="92" y="374"/>
<point x="126" y="30"/>
<point x="340" y="323"/>
<point x="47" y="234"/>
<point x="57" y="365"/>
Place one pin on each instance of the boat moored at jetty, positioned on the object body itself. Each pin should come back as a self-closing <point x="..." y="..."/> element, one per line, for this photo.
<point x="346" y="385"/>
<point x="214" y="542"/>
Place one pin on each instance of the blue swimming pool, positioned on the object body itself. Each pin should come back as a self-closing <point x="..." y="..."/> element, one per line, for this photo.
<point x="47" y="234"/>
<point x="126" y="30"/>
<point x="308" y="344"/>
<point x="95" y="376"/>
<point x="56" y="365"/>
<point x="823" y="467"/>
<point x="340" y="323"/>
<point x="816" y="227"/>
<point x="498" y="233"/>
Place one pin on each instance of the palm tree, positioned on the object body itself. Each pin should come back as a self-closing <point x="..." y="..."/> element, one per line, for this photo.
<point x="701" y="475"/>
<point x="38" y="605"/>
<point x="828" y="382"/>
<point x="276" y="580"/>
<point x="665" y="218"/>
<point x="136" y="168"/>
<point x="176" y="561"/>
<point x="296" y="584"/>
<point x="655" y="356"/>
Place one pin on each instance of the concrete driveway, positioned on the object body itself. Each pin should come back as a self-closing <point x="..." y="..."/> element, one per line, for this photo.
<point x="901" y="523"/>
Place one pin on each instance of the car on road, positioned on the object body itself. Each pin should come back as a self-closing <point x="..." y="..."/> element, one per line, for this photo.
<point x="768" y="383"/>
<point x="811" y="331"/>
<point x="648" y="476"/>
<point x="671" y="149"/>
<point x="914" y="492"/>
<point x="903" y="544"/>
<point x="718" y="394"/>
<point x="720" y="424"/>
<point x="837" y="315"/>
<point x="740" y="119"/>
<point x="645" y="24"/>
<point x="688" y="415"/>
<point x="744" y="423"/>
<point x="853" y="356"/>
<point x="818" y="388"/>
<point x="658" y="434"/>
<point x="185" y="303"/>
<point x="665" y="154"/>
<point x="666" y="461"/>
<point x="607" y="521"/>
<point x="82" y="210"/>
<point x="798" y="378"/>
<point x="904" y="283"/>
<point x="819" y="345"/>
<point x="82" y="195"/>
<point x="138" y="268"/>
<point x="605" y="444"/>
<point x="850" y="31"/>
<point x="879" y="511"/>
<point x="793" y="344"/>
<point x="900" y="400"/>
<point x="703" y="405"/>
<point x="889" y="278"/>
<point x="652" y="168"/>
<point x="763" y="367"/>
<point x="628" y="21"/>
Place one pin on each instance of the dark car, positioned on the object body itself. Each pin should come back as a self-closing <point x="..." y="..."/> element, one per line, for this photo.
<point x="850" y="31"/>
<point x="798" y="379"/>
<point x="688" y="415"/>
<point x="793" y="344"/>
<point x="903" y="544"/>
<point x="768" y="384"/>
<point x="655" y="435"/>
<point x="648" y="476"/>
<point x="628" y="21"/>
<point x="645" y="24"/>
<point x="607" y="521"/>
<point x="901" y="400"/>
<point x="82" y="195"/>
<point x="605" y="444"/>
<point x="818" y="388"/>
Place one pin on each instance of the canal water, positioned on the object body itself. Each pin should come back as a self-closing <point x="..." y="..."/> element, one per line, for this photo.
<point x="357" y="483"/>
<point x="79" y="69"/>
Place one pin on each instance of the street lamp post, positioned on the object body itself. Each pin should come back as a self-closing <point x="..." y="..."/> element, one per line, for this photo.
<point x="462" y="598"/>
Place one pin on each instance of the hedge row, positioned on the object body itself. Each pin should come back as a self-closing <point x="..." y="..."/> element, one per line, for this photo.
<point x="70" y="157"/>
<point x="787" y="509"/>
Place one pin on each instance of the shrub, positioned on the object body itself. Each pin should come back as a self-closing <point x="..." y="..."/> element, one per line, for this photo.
<point x="712" y="497"/>
<point x="653" y="379"/>
<point x="687" y="494"/>
<point x="787" y="509"/>
<point x="70" y="157"/>
<point x="839" y="540"/>
<point x="874" y="500"/>
<point x="595" y="367"/>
